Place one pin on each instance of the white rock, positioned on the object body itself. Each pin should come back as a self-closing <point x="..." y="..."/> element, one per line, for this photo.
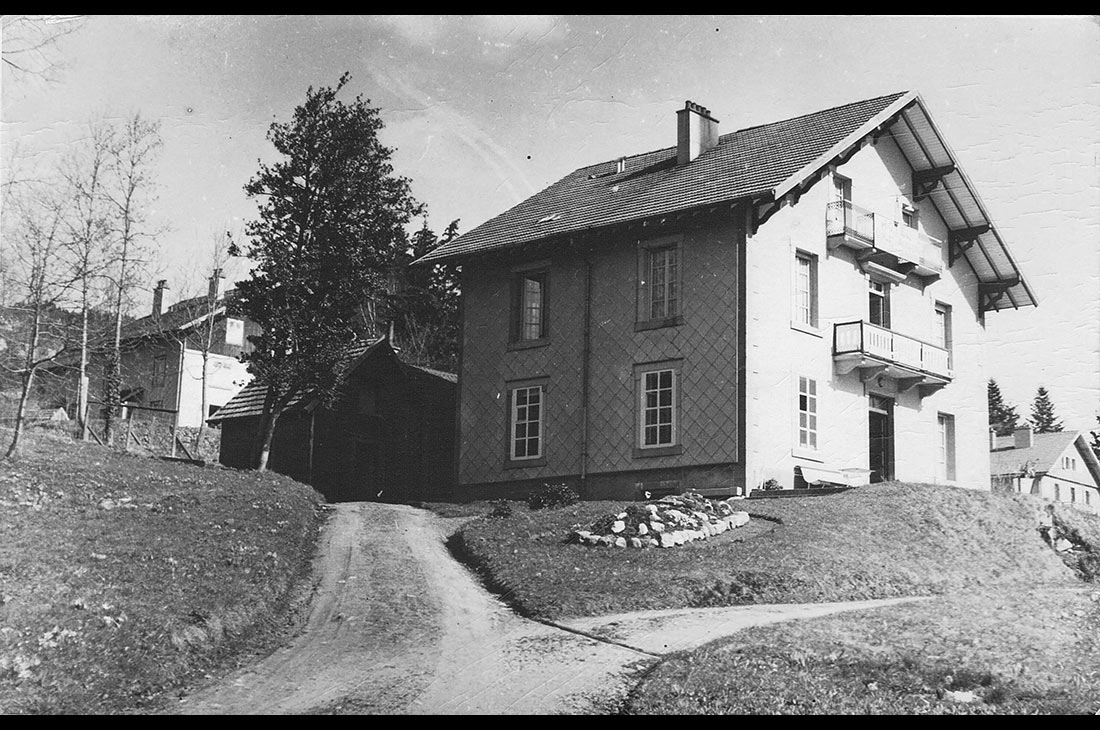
<point x="643" y="529"/>
<point x="1062" y="545"/>
<point x="657" y="526"/>
<point x="667" y="540"/>
<point x="635" y="542"/>
<point x="653" y="543"/>
<point x="620" y="542"/>
<point x="618" y="526"/>
<point x="961" y="696"/>
<point x="739" y="518"/>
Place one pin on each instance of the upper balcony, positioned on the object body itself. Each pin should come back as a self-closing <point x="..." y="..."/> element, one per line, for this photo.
<point x="878" y="351"/>
<point x="907" y="250"/>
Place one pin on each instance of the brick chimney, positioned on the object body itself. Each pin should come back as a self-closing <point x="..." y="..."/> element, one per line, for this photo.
<point x="158" y="297"/>
<point x="215" y="291"/>
<point x="696" y="132"/>
<point x="1025" y="437"/>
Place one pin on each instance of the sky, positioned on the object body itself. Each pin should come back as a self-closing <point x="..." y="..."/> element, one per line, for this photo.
<point x="483" y="111"/>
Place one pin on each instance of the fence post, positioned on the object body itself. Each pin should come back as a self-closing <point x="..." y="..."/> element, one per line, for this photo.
<point x="129" y="422"/>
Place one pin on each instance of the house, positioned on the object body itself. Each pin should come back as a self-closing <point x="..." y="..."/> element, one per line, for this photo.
<point x="388" y="436"/>
<point x="802" y="301"/>
<point x="162" y="359"/>
<point x="1060" y="466"/>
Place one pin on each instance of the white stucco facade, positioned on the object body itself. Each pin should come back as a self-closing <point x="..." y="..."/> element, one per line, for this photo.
<point x="780" y="351"/>
<point x="225" y="376"/>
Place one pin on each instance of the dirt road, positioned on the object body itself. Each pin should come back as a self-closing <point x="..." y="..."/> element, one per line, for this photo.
<point x="455" y="649"/>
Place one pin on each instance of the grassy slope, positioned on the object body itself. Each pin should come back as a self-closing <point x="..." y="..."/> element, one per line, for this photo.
<point x="881" y="541"/>
<point x="111" y="606"/>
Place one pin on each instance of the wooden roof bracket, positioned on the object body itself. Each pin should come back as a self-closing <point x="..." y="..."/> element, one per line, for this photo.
<point x="991" y="292"/>
<point x="925" y="181"/>
<point x="960" y="241"/>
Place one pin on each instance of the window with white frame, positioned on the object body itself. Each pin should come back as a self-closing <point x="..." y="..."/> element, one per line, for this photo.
<point x="807" y="413"/>
<point x="878" y="304"/>
<point x="658" y="408"/>
<point x="664" y="282"/>
<point x="529" y="305"/>
<point x="805" y="289"/>
<point x="945" y="453"/>
<point x="908" y="216"/>
<point x="526" y="427"/>
<point x="941" y="336"/>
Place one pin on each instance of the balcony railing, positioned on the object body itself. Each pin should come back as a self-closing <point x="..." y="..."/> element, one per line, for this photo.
<point x="857" y="228"/>
<point x="865" y="344"/>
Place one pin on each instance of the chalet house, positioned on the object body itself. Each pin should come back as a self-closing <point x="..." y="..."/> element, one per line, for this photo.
<point x="1057" y="466"/>
<point x="162" y="357"/>
<point x="388" y="436"/>
<point x="802" y="301"/>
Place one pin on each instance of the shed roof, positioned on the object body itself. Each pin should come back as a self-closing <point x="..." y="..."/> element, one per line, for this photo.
<point x="762" y="163"/>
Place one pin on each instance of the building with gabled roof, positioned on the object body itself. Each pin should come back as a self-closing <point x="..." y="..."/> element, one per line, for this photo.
<point x="796" y="303"/>
<point x="387" y="436"/>
<point x="1060" y="466"/>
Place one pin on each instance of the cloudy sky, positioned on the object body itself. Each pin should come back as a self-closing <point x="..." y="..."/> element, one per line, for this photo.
<point x="485" y="110"/>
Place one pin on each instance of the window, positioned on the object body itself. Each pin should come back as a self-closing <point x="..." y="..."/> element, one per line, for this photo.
<point x="529" y="315"/>
<point x="1088" y="497"/>
<point x="945" y="457"/>
<point x="908" y="216"/>
<point x="1073" y="494"/>
<point x="658" y="399"/>
<point x="1057" y="492"/>
<point x="878" y="298"/>
<point x="526" y="435"/>
<point x="234" y="332"/>
<point x="942" y="334"/>
<point x="664" y="282"/>
<point x="842" y="189"/>
<point x="805" y="289"/>
<point x="807" y="413"/>
<point x="660" y="289"/>
<point x="160" y="368"/>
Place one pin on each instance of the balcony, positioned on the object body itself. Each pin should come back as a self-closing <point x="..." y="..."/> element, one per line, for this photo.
<point x="904" y="249"/>
<point x="879" y="352"/>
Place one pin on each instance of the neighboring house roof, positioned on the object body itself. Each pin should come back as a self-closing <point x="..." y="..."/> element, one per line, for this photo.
<point x="1042" y="456"/>
<point x="761" y="164"/>
<point x="249" y="401"/>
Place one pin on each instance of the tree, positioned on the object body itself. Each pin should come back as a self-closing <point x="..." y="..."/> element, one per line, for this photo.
<point x="29" y="42"/>
<point x="1096" y="438"/>
<point x="1043" y="419"/>
<point x="424" y="305"/>
<point x="1002" y="416"/>
<point x="332" y="218"/>
<point x="38" y="271"/>
<point x="133" y="157"/>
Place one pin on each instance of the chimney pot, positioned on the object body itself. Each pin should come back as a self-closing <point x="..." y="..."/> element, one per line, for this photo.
<point x="1024" y="437"/>
<point x="696" y="132"/>
<point x="158" y="297"/>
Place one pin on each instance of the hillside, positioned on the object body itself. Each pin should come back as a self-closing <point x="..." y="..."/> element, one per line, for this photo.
<point x="124" y="579"/>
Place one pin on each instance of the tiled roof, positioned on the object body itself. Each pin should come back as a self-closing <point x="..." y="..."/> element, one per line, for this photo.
<point x="1041" y="457"/>
<point x="250" y="400"/>
<point x="745" y="163"/>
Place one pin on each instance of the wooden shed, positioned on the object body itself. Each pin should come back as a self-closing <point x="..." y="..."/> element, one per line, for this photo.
<point x="388" y="436"/>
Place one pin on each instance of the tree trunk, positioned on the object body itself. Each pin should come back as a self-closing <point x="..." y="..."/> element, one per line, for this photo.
<point x="20" y="415"/>
<point x="272" y="409"/>
<point x="205" y="405"/>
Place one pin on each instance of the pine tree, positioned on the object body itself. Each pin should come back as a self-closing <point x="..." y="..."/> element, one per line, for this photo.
<point x="331" y="224"/>
<point x="1043" y="419"/>
<point x="1003" y="418"/>
<point x="1096" y="438"/>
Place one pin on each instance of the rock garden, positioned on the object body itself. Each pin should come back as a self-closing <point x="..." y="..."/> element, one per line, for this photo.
<point x="667" y="522"/>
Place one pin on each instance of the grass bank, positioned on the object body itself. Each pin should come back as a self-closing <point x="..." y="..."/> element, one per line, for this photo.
<point x="878" y="541"/>
<point x="124" y="580"/>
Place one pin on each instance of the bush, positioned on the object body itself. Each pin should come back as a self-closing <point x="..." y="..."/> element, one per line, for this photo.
<point x="501" y="508"/>
<point x="553" y="495"/>
<point x="771" y="485"/>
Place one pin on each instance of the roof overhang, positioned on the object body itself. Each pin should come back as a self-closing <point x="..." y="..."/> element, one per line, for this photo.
<point x="937" y="178"/>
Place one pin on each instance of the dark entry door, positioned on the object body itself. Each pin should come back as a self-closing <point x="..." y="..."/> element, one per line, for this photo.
<point x="881" y="438"/>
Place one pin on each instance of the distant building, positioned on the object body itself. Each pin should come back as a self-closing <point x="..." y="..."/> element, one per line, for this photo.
<point x="162" y="359"/>
<point x="388" y="436"/>
<point x="802" y="301"/>
<point x="1061" y="467"/>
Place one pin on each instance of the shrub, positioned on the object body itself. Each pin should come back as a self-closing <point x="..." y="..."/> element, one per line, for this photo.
<point x="553" y="495"/>
<point x="501" y="508"/>
<point x="771" y="485"/>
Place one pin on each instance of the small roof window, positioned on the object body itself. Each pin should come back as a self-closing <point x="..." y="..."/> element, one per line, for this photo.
<point x="550" y="218"/>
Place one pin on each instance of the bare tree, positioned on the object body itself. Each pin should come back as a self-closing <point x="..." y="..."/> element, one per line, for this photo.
<point x="34" y="239"/>
<point x="131" y="191"/>
<point x="28" y="43"/>
<point x="85" y="169"/>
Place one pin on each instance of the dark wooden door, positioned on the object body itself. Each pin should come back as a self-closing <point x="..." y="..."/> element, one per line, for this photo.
<point x="881" y="439"/>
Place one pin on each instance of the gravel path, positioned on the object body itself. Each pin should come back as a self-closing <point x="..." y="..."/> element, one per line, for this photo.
<point x="454" y="648"/>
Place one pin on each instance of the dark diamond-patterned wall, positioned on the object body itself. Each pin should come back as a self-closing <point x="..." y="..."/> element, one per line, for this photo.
<point x="705" y="344"/>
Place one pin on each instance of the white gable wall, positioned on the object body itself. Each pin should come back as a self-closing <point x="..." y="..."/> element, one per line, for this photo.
<point x="777" y="353"/>
<point x="225" y="376"/>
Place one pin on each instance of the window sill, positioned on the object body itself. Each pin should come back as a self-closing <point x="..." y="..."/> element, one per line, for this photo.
<point x="806" y="329"/>
<point x="808" y="455"/>
<point x="674" y="450"/>
<point x="654" y="324"/>
<point x="528" y="344"/>
<point x="524" y="463"/>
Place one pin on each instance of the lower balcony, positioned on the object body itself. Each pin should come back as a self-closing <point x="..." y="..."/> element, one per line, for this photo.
<point x="880" y="352"/>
